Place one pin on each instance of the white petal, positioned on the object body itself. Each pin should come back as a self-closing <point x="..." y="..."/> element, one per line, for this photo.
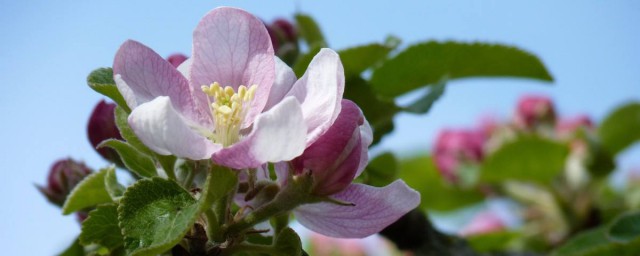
<point x="285" y="78"/>
<point x="165" y="131"/>
<point x="320" y="91"/>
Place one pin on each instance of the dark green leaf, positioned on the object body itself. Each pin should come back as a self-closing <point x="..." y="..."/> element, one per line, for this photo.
<point x="288" y="243"/>
<point x="427" y="63"/>
<point x="133" y="159"/>
<point x="360" y="58"/>
<point x="625" y="228"/>
<point x="382" y="170"/>
<point x="525" y="159"/>
<point x="421" y="174"/>
<point x="101" y="81"/>
<point x="112" y="186"/>
<point x="89" y="192"/>
<point x="621" y="128"/>
<point x="75" y="249"/>
<point x="154" y="215"/>
<point x="310" y="31"/>
<point x="424" y="104"/>
<point x="127" y="133"/>
<point x="594" y="242"/>
<point x="494" y="241"/>
<point x="101" y="228"/>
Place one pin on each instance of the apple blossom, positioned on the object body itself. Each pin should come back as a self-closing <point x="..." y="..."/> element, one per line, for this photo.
<point x="63" y="176"/>
<point x="455" y="148"/>
<point x="533" y="111"/>
<point x="101" y="127"/>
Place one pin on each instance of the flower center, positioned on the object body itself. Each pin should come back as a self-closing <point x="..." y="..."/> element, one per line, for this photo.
<point x="227" y="110"/>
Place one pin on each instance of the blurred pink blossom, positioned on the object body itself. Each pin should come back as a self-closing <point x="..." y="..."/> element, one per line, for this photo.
<point x="482" y="223"/>
<point x="533" y="111"/>
<point x="454" y="148"/>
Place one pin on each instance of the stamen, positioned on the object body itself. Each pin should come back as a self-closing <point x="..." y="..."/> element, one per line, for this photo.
<point x="228" y="109"/>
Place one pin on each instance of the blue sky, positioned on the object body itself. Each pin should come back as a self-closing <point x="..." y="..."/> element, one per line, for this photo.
<point x="49" y="47"/>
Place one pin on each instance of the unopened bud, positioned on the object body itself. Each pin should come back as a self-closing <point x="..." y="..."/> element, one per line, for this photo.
<point x="535" y="111"/>
<point x="63" y="177"/>
<point x="101" y="127"/>
<point x="176" y="59"/>
<point x="284" y="38"/>
<point x="456" y="148"/>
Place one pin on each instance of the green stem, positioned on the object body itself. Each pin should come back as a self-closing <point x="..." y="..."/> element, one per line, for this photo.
<point x="213" y="227"/>
<point x="168" y="163"/>
<point x="189" y="179"/>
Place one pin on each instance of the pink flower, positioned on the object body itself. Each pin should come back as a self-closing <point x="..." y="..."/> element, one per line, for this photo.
<point x="482" y="223"/>
<point x="454" y="148"/>
<point x="566" y="128"/>
<point x="233" y="101"/>
<point x="533" y="111"/>
<point x="102" y="126"/>
<point x="333" y="161"/>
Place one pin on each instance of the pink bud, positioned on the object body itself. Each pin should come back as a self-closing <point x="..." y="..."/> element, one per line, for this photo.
<point x="333" y="159"/>
<point x="533" y="111"/>
<point x="454" y="148"/>
<point x="64" y="175"/>
<point x="285" y="28"/>
<point x="176" y="59"/>
<point x="284" y="38"/>
<point x="482" y="223"/>
<point x="102" y="126"/>
<point x="566" y="128"/>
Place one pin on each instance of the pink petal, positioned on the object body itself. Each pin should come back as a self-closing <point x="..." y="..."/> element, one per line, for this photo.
<point x="277" y="135"/>
<point x="165" y="131"/>
<point x="284" y="80"/>
<point x="367" y="138"/>
<point x="375" y="208"/>
<point x="142" y="75"/>
<point x="319" y="91"/>
<point x="233" y="48"/>
<point x="335" y="156"/>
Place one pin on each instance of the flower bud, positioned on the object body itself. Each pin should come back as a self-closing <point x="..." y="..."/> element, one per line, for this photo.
<point x="63" y="177"/>
<point x="567" y="128"/>
<point x="456" y="148"/>
<point x="176" y="59"/>
<point x="333" y="159"/>
<point x="284" y="38"/>
<point x="535" y="111"/>
<point x="482" y="223"/>
<point x="102" y="126"/>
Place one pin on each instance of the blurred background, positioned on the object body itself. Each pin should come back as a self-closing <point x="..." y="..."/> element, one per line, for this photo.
<point x="49" y="47"/>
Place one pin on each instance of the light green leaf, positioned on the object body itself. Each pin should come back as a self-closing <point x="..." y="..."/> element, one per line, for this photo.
<point x="621" y="128"/>
<point x="288" y="243"/>
<point x="594" y="242"/>
<point x="133" y="159"/>
<point x="427" y="63"/>
<point x="101" y="228"/>
<point x="420" y="173"/>
<point x="112" y="186"/>
<point x="494" y="241"/>
<point x="525" y="159"/>
<point x="220" y="182"/>
<point x="101" y="81"/>
<point x="360" y="58"/>
<point x="424" y="104"/>
<point x="310" y="31"/>
<point x="625" y="228"/>
<point x="382" y="170"/>
<point x="89" y="192"/>
<point x="154" y="215"/>
<point x="127" y="133"/>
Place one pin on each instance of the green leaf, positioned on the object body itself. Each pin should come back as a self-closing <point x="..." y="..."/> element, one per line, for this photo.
<point x="360" y="58"/>
<point x="154" y="215"/>
<point x="288" y="243"/>
<point x="427" y="63"/>
<point x="424" y="104"/>
<point x="101" y="81"/>
<point x="382" y="170"/>
<point x="625" y="228"/>
<point x="525" y="159"/>
<point x="303" y="61"/>
<point x="421" y="174"/>
<point x="101" y="228"/>
<point x="127" y="133"/>
<point x="75" y="249"/>
<point x="133" y="159"/>
<point x="112" y="186"/>
<point x="594" y="242"/>
<point x="89" y="192"/>
<point x="220" y="182"/>
<point x="621" y="128"/>
<point x="310" y="31"/>
<point x="494" y="241"/>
